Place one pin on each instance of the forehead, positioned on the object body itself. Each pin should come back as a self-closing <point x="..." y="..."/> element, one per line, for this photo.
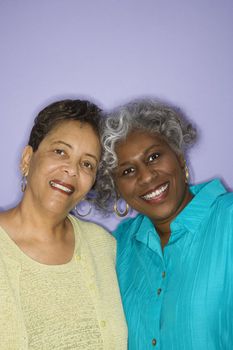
<point x="75" y="133"/>
<point x="72" y="129"/>
<point x="68" y="125"/>
<point x="138" y="144"/>
<point x="141" y="139"/>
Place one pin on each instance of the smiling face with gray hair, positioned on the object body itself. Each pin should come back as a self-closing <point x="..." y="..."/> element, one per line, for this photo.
<point x="150" y="177"/>
<point x="125" y="136"/>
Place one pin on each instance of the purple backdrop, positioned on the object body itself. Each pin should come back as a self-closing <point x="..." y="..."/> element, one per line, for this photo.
<point x="111" y="51"/>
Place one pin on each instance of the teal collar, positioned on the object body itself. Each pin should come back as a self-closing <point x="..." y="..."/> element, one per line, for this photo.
<point x="189" y="218"/>
<point x="205" y="195"/>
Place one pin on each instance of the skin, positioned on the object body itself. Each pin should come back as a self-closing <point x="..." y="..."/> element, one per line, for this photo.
<point x="69" y="156"/>
<point x="146" y="163"/>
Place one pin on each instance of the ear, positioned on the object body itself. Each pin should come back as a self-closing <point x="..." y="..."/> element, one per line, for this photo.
<point x="25" y="160"/>
<point x="181" y="160"/>
<point x="117" y="192"/>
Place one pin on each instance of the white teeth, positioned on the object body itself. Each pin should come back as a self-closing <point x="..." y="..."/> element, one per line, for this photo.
<point x="60" y="187"/>
<point x="155" y="193"/>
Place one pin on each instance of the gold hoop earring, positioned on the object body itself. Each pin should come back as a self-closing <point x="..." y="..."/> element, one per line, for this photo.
<point x="186" y="171"/>
<point x="118" y="212"/>
<point x="23" y="183"/>
<point x="80" y="211"/>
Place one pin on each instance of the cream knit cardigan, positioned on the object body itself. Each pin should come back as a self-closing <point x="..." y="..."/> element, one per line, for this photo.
<point x="96" y="252"/>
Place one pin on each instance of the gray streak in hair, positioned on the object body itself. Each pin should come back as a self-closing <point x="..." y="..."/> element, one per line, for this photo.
<point x="145" y="115"/>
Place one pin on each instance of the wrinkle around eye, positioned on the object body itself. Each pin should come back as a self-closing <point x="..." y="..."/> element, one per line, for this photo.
<point x="153" y="157"/>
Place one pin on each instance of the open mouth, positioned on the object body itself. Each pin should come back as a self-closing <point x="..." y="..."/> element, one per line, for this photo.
<point x="58" y="185"/>
<point x="156" y="193"/>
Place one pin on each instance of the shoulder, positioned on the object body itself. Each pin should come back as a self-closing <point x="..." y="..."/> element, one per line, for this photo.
<point x="92" y="232"/>
<point x="95" y="241"/>
<point x="224" y="203"/>
<point x="128" y="228"/>
<point x="215" y="196"/>
<point x="7" y="218"/>
<point x="223" y="211"/>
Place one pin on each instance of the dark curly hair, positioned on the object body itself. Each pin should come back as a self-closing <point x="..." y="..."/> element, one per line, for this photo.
<point x="59" y="111"/>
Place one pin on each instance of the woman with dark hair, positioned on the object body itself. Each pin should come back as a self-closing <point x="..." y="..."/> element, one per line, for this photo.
<point x="174" y="259"/>
<point x="55" y="270"/>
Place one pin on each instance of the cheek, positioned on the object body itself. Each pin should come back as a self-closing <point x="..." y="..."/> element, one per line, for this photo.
<point x="180" y="182"/>
<point x="125" y="188"/>
<point x="87" y="180"/>
<point x="41" y="168"/>
<point x="119" y="186"/>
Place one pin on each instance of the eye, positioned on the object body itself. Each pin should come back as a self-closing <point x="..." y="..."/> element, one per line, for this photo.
<point x="128" y="171"/>
<point x="88" y="165"/>
<point x="153" y="157"/>
<point x="60" y="152"/>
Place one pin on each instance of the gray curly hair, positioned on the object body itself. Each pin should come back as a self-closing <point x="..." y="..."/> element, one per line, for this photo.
<point x="146" y="115"/>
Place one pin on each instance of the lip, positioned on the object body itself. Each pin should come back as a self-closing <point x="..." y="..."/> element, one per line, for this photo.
<point x="61" y="186"/>
<point x="156" y="194"/>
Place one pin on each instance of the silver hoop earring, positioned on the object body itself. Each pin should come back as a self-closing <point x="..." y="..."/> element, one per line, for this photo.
<point x="82" y="209"/>
<point x="186" y="171"/>
<point x="118" y="211"/>
<point x="23" y="183"/>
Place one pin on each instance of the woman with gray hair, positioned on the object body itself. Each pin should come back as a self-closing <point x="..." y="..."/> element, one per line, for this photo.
<point x="174" y="259"/>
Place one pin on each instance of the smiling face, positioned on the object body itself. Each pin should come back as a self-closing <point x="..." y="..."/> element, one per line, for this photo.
<point x="150" y="177"/>
<point x="63" y="169"/>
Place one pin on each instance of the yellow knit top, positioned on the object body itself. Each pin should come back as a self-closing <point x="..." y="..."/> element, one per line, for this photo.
<point x="66" y="306"/>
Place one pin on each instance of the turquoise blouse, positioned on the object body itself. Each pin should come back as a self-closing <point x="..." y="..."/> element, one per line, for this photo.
<point x="180" y="298"/>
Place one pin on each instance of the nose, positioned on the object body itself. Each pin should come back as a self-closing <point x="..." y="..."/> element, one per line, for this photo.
<point x="146" y="174"/>
<point x="70" y="169"/>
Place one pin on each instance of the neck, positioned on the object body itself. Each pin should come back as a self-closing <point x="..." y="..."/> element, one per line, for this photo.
<point x="163" y="226"/>
<point x="32" y="220"/>
<point x="164" y="233"/>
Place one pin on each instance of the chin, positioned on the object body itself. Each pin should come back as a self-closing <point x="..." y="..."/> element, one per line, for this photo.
<point x="161" y="215"/>
<point x="58" y="208"/>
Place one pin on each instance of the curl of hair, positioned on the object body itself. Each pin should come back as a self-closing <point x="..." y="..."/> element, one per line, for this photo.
<point x="144" y="115"/>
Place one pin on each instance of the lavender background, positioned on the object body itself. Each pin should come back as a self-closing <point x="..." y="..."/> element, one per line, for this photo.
<point x="111" y="51"/>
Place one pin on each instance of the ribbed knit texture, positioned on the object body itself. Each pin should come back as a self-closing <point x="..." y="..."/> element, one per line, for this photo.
<point x="58" y="310"/>
<point x="61" y="305"/>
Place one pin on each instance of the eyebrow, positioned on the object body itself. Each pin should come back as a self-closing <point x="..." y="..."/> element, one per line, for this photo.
<point x="63" y="143"/>
<point x="143" y="154"/>
<point x="68" y="145"/>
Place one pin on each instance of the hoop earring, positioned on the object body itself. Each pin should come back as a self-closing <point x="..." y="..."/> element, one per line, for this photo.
<point x="118" y="212"/>
<point x="186" y="171"/>
<point x="23" y="183"/>
<point x="83" y="214"/>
